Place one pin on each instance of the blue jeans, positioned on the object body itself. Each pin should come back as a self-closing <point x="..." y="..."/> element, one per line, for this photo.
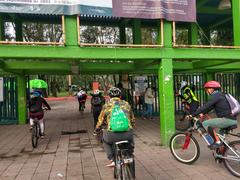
<point x="219" y="123"/>
<point x="149" y="110"/>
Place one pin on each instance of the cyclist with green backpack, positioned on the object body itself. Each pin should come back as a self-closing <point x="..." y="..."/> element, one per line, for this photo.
<point x="117" y="121"/>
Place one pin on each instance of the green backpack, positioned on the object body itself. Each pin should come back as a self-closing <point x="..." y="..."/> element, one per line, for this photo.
<point x="118" y="121"/>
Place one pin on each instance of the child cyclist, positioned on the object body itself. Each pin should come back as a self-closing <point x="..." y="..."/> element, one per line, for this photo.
<point x="36" y="111"/>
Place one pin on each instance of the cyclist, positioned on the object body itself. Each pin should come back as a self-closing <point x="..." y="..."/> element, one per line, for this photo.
<point x="36" y="111"/>
<point x="110" y="137"/>
<point x="97" y="102"/>
<point x="219" y="103"/>
<point x="188" y="97"/>
<point x="82" y="97"/>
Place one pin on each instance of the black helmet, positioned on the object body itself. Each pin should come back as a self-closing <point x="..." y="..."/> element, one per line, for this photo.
<point x="114" y="92"/>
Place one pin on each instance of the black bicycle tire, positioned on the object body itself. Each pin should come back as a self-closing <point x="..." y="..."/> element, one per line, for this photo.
<point x="184" y="124"/>
<point x="132" y="168"/>
<point x="128" y="172"/>
<point x="194" y="141"/>
<point x="226" y="164"/>
<point x="34" y="136"/>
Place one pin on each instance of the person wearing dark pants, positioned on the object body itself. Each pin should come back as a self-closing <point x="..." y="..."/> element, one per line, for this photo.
<point x="97" y="102"/>
<point x="115" y="109"/>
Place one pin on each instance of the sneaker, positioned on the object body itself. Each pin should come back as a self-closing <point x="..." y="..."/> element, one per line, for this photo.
<point x="111" y="164"/>
<point x="30" y="129"/>
<point x="215" y="146"/>
<point x="42" y="137"/>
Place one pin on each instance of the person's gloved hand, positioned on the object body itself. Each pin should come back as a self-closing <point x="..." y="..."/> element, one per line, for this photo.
<point x="96" y="131"/>
<point x="188" y="117"/>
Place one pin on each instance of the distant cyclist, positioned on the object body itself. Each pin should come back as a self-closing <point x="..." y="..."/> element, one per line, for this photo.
<point x="97" y="103"/>
<point x="36" y="109"/>
<point x="188" y="97"/>
<point x="110" y="136"/>
<point x="82" y="97"/>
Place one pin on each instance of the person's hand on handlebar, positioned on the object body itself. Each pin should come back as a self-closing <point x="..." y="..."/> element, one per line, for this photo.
<point x="189" y="117"/>
<point x="97" y="131"/>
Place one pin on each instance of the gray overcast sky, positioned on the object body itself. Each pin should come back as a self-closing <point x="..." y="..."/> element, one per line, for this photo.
<point x="103" y="3"/>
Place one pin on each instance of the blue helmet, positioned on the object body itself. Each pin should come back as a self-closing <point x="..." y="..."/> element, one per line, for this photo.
<point x="37" y="93"/>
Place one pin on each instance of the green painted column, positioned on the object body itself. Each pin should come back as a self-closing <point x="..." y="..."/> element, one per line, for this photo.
<point x="18" y="29"/>
<point x="22" y="107"/>
<point x="122" y="33"/>
<point x="236" y="21"/>
<point x="137" y="34"/>
<point x="193" y="34"/>
<point x="166" y="99"/>
<point x="167" y="31"/>
<point x="71" y="31"/>
<point x="1" y="28"/>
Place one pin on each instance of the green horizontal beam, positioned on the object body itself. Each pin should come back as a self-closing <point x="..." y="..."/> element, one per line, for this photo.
<point x="229" y="66"/>
<point x="209" y="63"/>
<point x="62" y="68"/>
<point x="204" y="53"/>
<point x="91" y="53"/>
<point x="36" y="65"/>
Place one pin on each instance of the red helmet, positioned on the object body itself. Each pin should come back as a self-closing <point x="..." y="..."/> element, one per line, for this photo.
<point x="212" y="84"/>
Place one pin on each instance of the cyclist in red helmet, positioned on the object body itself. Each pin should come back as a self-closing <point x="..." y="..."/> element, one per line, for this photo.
<point x="219" y="103"/>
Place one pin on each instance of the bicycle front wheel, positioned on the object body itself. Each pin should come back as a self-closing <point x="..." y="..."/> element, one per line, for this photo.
<point x="184" y="148"/>
<point x="35" y="133"/>
<point x="232" y="158"/>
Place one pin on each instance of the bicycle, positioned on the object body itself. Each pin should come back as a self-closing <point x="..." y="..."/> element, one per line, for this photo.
<point x="124" y="168"/>
<point x="185" y="148"/>
<point x="36" y="131"/>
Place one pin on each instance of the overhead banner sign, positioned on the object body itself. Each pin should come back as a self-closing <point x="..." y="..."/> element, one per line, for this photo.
<point x="172" y="10"/>
<point x="58" y="7"/>
<point x="54" y="7"/>
<point x="1" y="89"/>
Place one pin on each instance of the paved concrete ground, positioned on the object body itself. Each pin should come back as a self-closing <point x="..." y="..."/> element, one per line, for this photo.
<point x="79" y="156"/>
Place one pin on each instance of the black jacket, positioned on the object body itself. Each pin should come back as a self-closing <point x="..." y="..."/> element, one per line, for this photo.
<point x="36" y="103"/>
<point x="219" y="103"/>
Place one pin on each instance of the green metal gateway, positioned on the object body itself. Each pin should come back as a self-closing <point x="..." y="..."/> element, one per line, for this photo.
<point x="70" y="54"/>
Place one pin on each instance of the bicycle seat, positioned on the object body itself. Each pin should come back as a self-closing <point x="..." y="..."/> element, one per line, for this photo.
<point x="121" y="142"/>
<point x="226" y="130"/>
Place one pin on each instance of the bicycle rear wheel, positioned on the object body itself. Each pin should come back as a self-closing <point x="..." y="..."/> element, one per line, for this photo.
<point x="127" y="172"/>
<point x="35" y="135"/>
<point x="233" y="163"/>
<point x="181" y="123"/>
<point x="184" y="149"/>
<point x="117" y="172"/>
